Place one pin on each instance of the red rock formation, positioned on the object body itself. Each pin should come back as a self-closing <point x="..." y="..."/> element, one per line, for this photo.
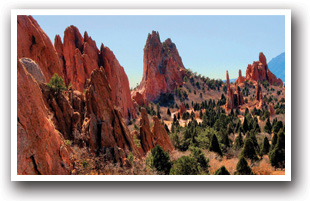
<point x="182" y="109"/>
<point x="233" y="99"/>
<point x="146" y="136"/>
<point x="259" y="92"/>
<point x="158" y="135"/>
<point x="40" y="147"/>
<point x="103" y="124"/>
<point x="259" y="71"/>
<point x="240" y="79"/>
<point x="139" y="99"/>
<point x="163" y="69"/>
<point x="119" y="83"/>
<point x="33" y="43"/>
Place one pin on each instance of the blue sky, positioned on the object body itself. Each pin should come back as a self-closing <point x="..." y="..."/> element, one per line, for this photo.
<point x="209" y="45"/>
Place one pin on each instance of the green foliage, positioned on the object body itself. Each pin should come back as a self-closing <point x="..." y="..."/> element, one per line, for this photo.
<point x="277" y="155"/>
<point x="248" y="150"/>
<point x="185" y="165"/>
<point x="168" y="112"/>
<point x="238" y="142"/>
<point x="200" y="157"/>
<point x="130" y="158"/>
<point x="57" y="84"/>
<point x="276" y="128"/>
<point x="85" y="164"/>
<point x="215" y="147"/>
<point x="68" y="142"/>
<point x="136" y="141"/>
<point x="243" y="167"/>
<point x="160" y="160"/>
<point x="274" y="141"/>
<point x="245" y="125"/>
<point x="265" y="147"/>
<point x="222" y="171"/>
<point x="268" y="127"/>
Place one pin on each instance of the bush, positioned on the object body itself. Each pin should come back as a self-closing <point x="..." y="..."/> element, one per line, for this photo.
<point x="222" y="171"/>
<point x="238" y="141"/>
<point x="160" y="160"/>
<point x="200" y="157"/>
<point x="265" y="147"/>
<point x="268" y="127"/>
<point x="277" y="155"/>
<point x="185" y="166"/>
<point x="243" y="167"/>
<point x="57" y="84"/>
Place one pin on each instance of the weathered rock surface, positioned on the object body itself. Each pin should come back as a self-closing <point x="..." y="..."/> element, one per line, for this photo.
<point x="119" y="83"/>
<point x="163" y="69"/>
<point x="103" y="123"/>
<point x="271" y="109"/>
<point x="158" y="135"/>
<point x="233" y="98"/>
<point x="33" y="43"/>
<point x="40" y="147"/>
<point x="259" y="71"/>
<point x="182" y="109"/>
<point x="34" y="69"/>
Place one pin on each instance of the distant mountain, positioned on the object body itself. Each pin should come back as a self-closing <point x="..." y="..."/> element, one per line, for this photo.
<point x="233" y="80"/>
<point x="277" y="66"/>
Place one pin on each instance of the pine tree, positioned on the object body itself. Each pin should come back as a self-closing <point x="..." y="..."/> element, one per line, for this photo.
<point x="245" y="125"/>
<point x="168" y="112"/>
<point x="238" y="141"/>
<point x="179" y="116"/>
<point x="265" y="147"/>
<point x="215" y="147"/>
<point x="161" y="159"/>
<point x="243" y="167"/>
<point x="277" y="155"/>
<point x="274" y="141"/>
<point x="248" y="150"/>
<point x="222" y="171"/>
<point x="268" y="127"/>
<point x="57" y="84"/>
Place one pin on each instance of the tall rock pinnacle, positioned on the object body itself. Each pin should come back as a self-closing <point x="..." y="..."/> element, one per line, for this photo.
<point x="163" y="69"/>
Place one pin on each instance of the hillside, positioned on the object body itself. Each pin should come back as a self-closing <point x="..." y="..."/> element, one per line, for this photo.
<point x="277" y="66"/>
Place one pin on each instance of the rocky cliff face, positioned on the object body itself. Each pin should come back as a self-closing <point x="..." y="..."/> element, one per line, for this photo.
<point x="40" y="147"/>
<point x="33" y="43"/>
<point x="163" y="69"/>
<point x="234" y="98"/>
<point x="103" y="124"/>
<point x="259" y="71"/>
<point x="158" y="135"/>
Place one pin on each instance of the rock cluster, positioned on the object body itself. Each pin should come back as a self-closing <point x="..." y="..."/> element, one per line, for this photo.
<point x="163" y="69"/>
<point x="233" y="98"/>
<point x="259" y="95"/>
<point x="259" y="71"/>
<point x="158" y="135"/>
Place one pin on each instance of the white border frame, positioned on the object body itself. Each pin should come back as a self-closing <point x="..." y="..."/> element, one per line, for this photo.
<point x="285" y="12"/>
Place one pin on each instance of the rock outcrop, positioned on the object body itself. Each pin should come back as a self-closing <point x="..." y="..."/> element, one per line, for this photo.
<point x="119" y="83"/>
<point x="234" y="98"/>
<point x="259" y="95"/>
<point x="40" y="147"/>
<point x="271" y="110"/>
<point x="259" y="71"/>
<point x="34" y="69"/>
<point x="163" y="69"/>
<point x="240" y="78"/>
<point x="158" y="135"/>
<point x="103" y="125"/>
<point x="182" y="109"/>
<point x="33" y="43"/>
<point x="80" y="56"/>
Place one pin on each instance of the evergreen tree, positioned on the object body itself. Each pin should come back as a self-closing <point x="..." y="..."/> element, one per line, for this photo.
<point x="276" y="128"/>
<point x="243" y="167"/>
<point x="200" y="157"/>
<point x="265" y="147"/>
<point x="238" y="141"/>
<point x="200" y="114"/>
<point x="222" y="171"/>
<point x="277" y="155"/>
<point x="245" y="125"/>
<point x="274" y="141"/>
<point x="179" y="116"/>
<point x="166" y="128"/>
<point x="174" y="118"/>
<point x="268" y="127"/>
<point x="248" y="150"/>
<point x="215" y="147"/>
<point x="57" y="84"/>
<point x="161" y="160"/>
<point x="168" y="112"/>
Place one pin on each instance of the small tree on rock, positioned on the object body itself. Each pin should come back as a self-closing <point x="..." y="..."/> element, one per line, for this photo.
<point x="57" y="84"/>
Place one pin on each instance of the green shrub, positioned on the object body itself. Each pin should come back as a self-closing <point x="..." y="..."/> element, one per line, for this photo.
<point x="200" y="157"/>
<point x="243" y="167"/>
<point x="160" y="160"/>
<point x="215" y="147"/>
<point x="185" y="166"/>
<point x="85" y="164"/>
<point x="57" y="84"/>
<point x="248" y="150"/>
<point x="265" y="147"/>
